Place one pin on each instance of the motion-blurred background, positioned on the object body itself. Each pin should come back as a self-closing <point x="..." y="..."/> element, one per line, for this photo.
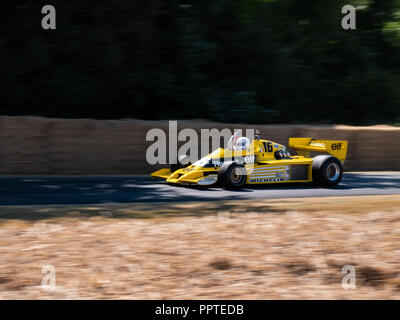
<point x="80" y="100"/>
<point x="248" y="61"/>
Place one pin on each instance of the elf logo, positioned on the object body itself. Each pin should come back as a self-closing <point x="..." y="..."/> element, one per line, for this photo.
<point x="336" y="146"/>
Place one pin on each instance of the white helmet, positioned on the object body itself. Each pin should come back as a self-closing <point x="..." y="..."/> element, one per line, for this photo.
<point x="242" y="143"/>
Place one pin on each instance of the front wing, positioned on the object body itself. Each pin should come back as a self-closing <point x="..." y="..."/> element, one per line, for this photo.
<point x="185" y="176"/>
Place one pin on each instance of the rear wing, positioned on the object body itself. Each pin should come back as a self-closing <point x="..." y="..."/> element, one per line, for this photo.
<point x="304" y="146"/>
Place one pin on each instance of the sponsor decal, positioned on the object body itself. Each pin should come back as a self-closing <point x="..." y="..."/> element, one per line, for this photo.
<point x="246" y="160"/>
<point x="268" y="180"/>
<point x="336" y="146"/>
<point x="250" y="159"/>
<point x="207" y="180"/>
<point x="217" y="163"/>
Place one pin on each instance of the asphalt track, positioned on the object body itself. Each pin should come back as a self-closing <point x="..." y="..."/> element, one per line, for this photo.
<point x="131" y="189"/>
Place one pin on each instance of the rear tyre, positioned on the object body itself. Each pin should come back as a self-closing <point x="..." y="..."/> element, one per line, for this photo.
<point x="327" y="171"/>
<point x="232" y="175"/>
<point x="182" y="162"/>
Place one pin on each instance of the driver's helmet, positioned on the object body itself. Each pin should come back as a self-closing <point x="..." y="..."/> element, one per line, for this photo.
<point x="242" y="143"/>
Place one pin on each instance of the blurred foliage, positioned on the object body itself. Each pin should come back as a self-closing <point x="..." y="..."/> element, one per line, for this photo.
<point x="258" y="61"/>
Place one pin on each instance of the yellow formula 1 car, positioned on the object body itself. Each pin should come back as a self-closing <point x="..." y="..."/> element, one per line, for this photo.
<point x="262" y="162"/>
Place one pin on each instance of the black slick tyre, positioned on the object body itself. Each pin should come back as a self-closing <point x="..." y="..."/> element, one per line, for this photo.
<point x="327" y="171"/>
<point x="232" y="175"/>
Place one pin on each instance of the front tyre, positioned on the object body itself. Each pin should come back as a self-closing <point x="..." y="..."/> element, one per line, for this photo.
<point x="232" y="175"/>
<point x="327" y="171"/>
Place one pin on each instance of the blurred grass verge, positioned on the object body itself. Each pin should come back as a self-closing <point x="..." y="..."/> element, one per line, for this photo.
<point x="271" y="249"/>
<point x="161" y="211"/>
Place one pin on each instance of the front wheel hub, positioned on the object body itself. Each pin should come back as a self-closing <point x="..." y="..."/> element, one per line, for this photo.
<point x="236" y="175"/>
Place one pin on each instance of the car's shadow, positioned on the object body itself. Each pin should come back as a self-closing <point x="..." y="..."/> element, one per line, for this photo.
<point x="108" y="189"/>
<point x="349" y="181"/>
